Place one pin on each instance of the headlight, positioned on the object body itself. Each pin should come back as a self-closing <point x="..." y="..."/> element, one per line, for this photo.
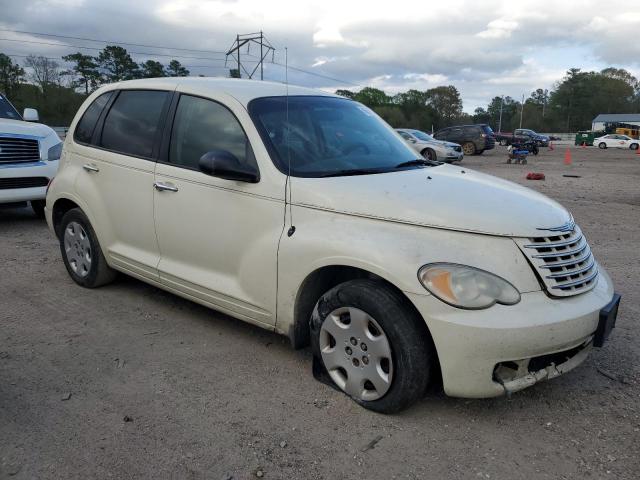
<point x="55" y="152"/>
<point x="467" y="287"/>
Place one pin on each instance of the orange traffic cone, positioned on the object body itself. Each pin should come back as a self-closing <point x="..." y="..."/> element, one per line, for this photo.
<point x="638" y="151"/>
<point x="567" y="157"/>
<point x="551" y="146"/>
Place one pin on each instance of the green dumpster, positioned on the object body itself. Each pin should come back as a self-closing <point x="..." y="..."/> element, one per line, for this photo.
<point x="584" y="137"/>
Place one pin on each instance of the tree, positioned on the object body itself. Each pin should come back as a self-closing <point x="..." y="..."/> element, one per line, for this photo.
<point x="152" y="69"/>
<point x="44" y="72"/>
<point x="11" y="74"/>
<point x="447" y="102"/>
<point x="346" y="94"/>
<point x="175" y="69"/>
<point x="116" y="64"/>
<point x="85" y="71"/>
<point x="372" y="97"/>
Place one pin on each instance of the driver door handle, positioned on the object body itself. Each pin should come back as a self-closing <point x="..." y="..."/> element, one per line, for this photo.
<point x="90" y="168"/>
<point x="161" y="187"/>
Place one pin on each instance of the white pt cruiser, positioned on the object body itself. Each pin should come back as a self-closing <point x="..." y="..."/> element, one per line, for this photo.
<point x="304" y="213"/>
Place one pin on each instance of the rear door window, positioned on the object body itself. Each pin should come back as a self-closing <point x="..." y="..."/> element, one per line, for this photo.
<point x="87" y="124"/>
<point x="132" y="124"/>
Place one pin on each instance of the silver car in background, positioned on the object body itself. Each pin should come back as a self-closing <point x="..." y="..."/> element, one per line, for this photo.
<point x="431" y="148"/>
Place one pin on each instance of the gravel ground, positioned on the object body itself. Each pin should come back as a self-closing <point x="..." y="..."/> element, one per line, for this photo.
<point x="127" y="381"/>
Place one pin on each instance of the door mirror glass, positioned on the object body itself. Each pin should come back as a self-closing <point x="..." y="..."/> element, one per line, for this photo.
<point x="30" y="115"/>
<point x="224" y="164"/>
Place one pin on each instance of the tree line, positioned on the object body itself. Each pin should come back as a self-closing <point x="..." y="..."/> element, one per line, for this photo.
<point x="57" y="93"/>
<point x="571" y="105"/>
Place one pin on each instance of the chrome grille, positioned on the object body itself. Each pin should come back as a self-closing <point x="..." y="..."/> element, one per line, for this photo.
<point x="17" y="149"/>
<point x="564" y="262"/>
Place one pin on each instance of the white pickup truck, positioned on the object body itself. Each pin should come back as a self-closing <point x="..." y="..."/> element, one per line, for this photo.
<point x="29" y="155"/>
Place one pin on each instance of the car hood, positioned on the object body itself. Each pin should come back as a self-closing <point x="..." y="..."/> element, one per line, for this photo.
<point x="19" y="127"/>
<point x="440" y="143"/>
<point x="445" y="197"/>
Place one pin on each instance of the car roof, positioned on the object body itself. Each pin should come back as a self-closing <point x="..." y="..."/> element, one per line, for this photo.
<point x="242" y="90"/>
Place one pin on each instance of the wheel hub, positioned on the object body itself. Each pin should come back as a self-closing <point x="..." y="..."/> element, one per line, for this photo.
<point x="356" y="353"/>
<point x="77" y="249"/>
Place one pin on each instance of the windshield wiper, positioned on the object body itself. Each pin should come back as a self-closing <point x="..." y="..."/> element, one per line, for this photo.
<point x="417" y="162"/>
<point x="353" y="171"/>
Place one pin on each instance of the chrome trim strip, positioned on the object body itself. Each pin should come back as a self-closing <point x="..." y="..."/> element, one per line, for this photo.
<point x="571" y="261"/>
<point x="573" y="272"/>
<point x="564" y="253"/>
<point x="563" y="243"/>
<point x="581" y="281"/>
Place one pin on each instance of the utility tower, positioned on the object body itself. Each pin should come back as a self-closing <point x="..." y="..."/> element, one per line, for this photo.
<point x="260" y="41"/>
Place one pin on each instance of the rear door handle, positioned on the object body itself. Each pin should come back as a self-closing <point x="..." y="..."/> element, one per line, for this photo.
<point x="90" y="168"/>
<point x="165" y="187"/>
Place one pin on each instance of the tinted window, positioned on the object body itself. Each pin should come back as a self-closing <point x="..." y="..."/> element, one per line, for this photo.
<point x="132" y="122"/>
<point x="201" y="126"/>
<point x="87" y="124"/>
<point x="470" y="131"/>
<point x="7" y="110"/>
<point x="487" y="129"/>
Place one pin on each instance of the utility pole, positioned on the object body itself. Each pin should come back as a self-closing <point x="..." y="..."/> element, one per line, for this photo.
<point x="247" y="39"/>
<point x="500" y="121"/>
<point x="521" y="110"/>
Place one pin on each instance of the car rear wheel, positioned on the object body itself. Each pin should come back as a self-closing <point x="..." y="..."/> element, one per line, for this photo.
<point x="81" y="251"/>
<point x="373" y="346"/>
<point x="469" y="148"/>
<point x="633" y="146"/>
<point x="503" y="142"/>
<point x="429" y="154"/>
<point x="602" y="145"/>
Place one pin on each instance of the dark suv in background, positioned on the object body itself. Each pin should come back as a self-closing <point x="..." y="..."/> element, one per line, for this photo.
<point x="474" y="139"/>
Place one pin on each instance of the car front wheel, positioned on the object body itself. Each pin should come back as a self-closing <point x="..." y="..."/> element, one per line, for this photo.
<point x="81" y="251"/>
<point x="429" y="154"/>
<point x="602" y="145"/>
<point x="374" y="347"/>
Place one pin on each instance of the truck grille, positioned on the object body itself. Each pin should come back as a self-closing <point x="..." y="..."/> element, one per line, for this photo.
<point x="23" y="182"/>
<point x="564" y="262"/>
<point x="15" y="149"/>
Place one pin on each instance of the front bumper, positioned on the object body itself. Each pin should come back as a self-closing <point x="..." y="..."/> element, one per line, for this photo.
<point x="472" y="343"/>
<point x="46" y="169"/>
<point x="454" y="156"/>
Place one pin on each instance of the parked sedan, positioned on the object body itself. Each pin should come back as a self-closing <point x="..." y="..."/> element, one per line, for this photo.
<point x="430" y="148"/>
<point x="616" y="141"/>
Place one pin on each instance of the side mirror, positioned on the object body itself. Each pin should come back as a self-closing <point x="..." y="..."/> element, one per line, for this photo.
<point x="30" y="115"/>
<point x="224" y="164"/>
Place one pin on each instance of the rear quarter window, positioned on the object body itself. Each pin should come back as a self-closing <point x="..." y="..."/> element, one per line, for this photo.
<point x="87" y="124"/>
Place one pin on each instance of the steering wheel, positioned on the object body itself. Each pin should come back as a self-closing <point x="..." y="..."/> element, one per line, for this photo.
<point x="356" y="146"/>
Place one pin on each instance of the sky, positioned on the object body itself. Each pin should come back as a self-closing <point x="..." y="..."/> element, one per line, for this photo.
<point x="485" y="48"/>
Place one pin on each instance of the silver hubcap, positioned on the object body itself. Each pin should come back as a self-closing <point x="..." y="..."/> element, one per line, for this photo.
<point x="78" y="249"/>
<point x="356" y="353"/>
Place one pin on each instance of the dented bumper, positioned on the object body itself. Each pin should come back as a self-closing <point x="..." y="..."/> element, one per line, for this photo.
<point x="503" y="349"/>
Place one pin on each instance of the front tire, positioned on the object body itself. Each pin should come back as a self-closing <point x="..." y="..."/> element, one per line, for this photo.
<point x="602" y="145"/>
<point x="373" y="346"/>
<point x="81" y="251"/>
<point x="429" y="154"/>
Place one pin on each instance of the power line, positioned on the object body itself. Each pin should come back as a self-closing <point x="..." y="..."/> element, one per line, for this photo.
<point x="107" y="41"/>
<point x="151" y="54"/>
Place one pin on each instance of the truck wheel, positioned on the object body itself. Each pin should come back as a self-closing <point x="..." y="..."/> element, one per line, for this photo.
<point x="602" y="145"/>
<point x="429" y="154"/>
<point x="81" y="251"/>
<point x="374" y="347"/>
<point x="38" y="207"/>
<point x="469" y="148"/>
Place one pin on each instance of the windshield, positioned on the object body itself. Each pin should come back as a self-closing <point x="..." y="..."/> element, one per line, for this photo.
<point x="7" y="110"/>
<point x="421" y="135"/>
<point x="324" y="136"/>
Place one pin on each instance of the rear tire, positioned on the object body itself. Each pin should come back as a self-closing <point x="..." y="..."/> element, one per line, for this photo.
<point x="38" y="207"/>
<point x="602" y="145"/>
<point x="469" y="148"/>
<point x="634" y="146"/>
<point x="366" y="319"/>
<point x="503" y="142"/>
<point x="81" y="251"/>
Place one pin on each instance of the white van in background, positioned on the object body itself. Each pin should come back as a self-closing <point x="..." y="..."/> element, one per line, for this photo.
<point x="29" y="154"/>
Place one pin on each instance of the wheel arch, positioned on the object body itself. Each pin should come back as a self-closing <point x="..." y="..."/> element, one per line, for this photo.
<point x="60" y="207"/>
<point x="320" y="281"/>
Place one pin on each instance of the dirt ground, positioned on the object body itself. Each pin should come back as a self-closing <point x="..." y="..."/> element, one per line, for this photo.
<point x="127" y="381"/>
